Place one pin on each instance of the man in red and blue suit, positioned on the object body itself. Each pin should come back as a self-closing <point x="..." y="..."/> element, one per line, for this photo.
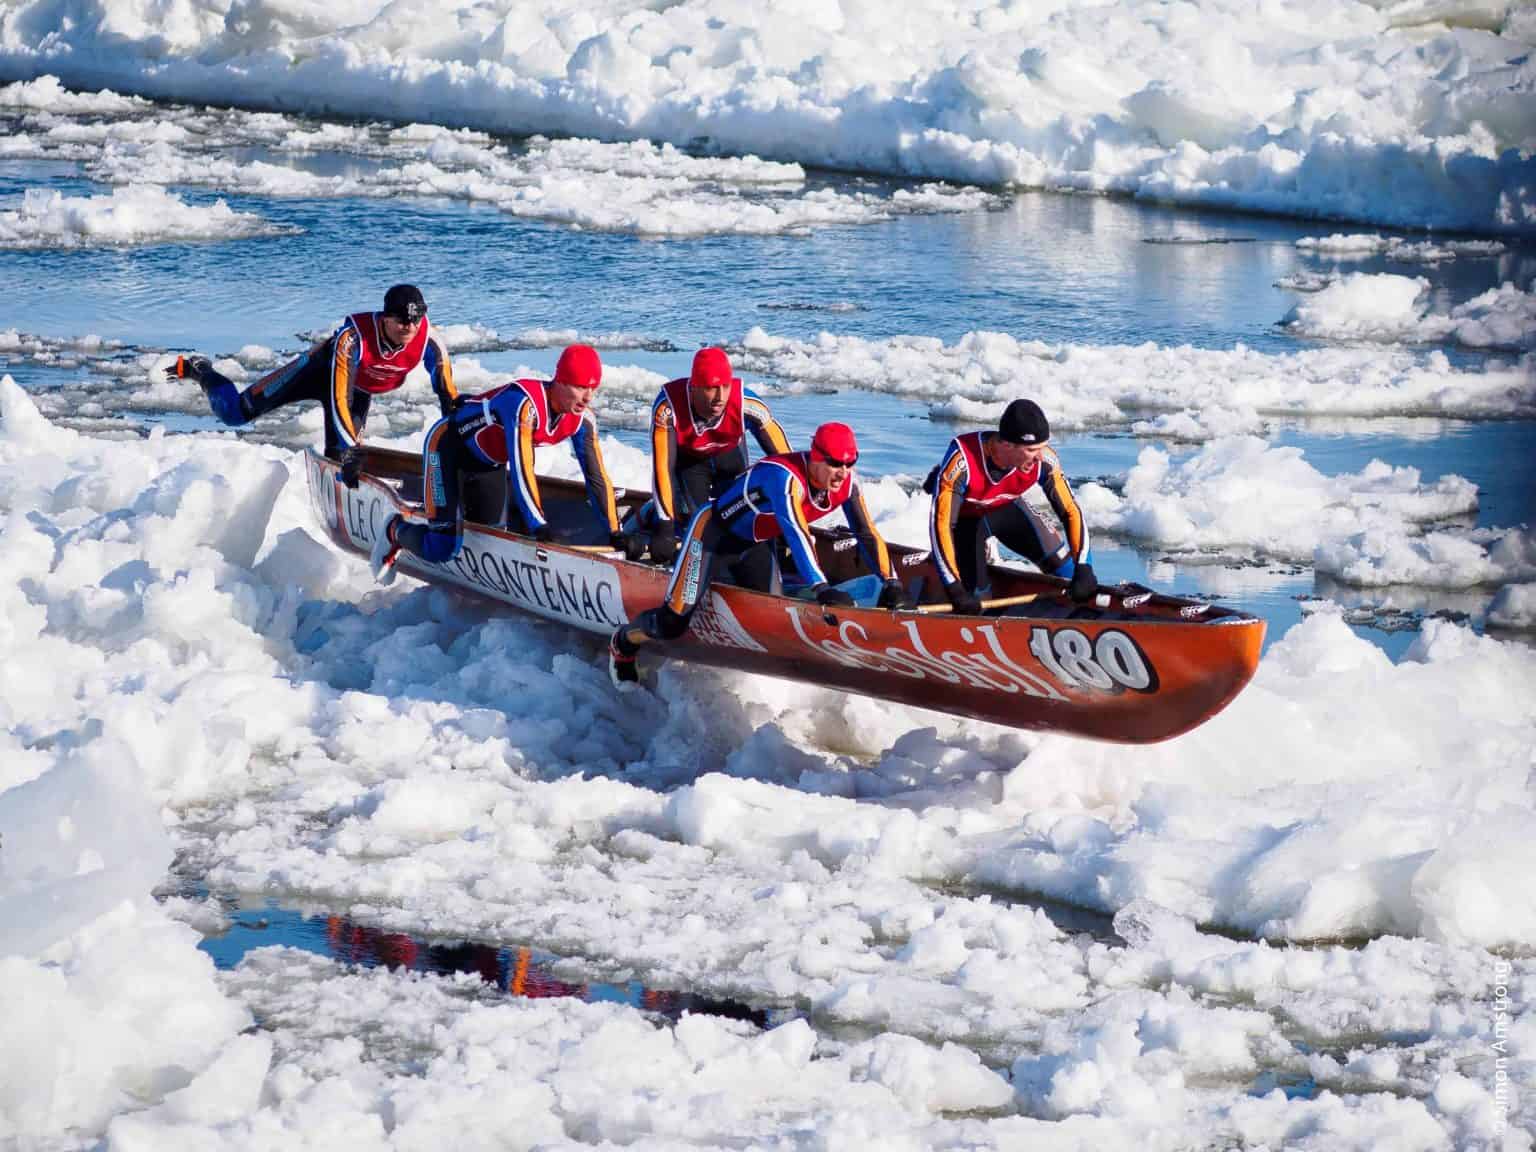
<point x="501" y="429"/>
<point x="699" y="427"/>
<point x="371" y="353"/>
<point x="979" y="491"/>
<point x="775" y="500"/>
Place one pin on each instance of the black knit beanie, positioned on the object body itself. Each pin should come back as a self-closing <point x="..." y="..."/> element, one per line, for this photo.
<point x="1024" y="423"/>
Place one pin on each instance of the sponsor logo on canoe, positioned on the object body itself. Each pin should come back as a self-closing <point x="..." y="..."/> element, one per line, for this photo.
<point x="983" y="665"/>
<point x="1189" y="612"/>
<point x="363" y="514"/>
<point x="716" y="625"/>
<point x="1112" y="662"/>
<point x="1108" y="662"/>
<point x="322" y="496"/>
<point x="553" y="584"/>
<point x="1136" y="601"/>
<point x="571" y="589"/>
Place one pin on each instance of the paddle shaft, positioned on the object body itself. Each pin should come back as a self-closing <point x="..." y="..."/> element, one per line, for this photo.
<point x="1000" y="602"/>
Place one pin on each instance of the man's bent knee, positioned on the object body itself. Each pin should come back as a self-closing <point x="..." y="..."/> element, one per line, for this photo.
<point x="663" y="623"/>
<point x="440" y="545"/>
<point x="227" y="403"/>
<point x="671" y="624"/>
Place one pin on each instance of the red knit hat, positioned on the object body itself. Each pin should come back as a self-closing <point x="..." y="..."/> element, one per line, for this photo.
<point x="835" y="443"/>
<point x="579" y="367"/>
<point x="711" y="368"/>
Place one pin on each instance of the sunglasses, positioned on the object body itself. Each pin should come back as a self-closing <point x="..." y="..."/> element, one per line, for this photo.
<point x="834" y="461"/>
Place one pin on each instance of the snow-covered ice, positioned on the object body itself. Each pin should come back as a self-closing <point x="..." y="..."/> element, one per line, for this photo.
<point x="1362" y="246"/>
<point x="1397" y="309"/>
<point x="1242" y="497"/>
<point x="181" y="647"/>
<point x="1323" y="936"/>
<point x="635" y="186"/>
<point x="1514" y="606"/>
<point x="136" y="214"/>
<point x="1416" y="117"/>
<point x="1086" y="385"/>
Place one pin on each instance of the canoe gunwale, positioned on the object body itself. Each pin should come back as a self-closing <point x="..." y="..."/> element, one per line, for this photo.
<point x="1134" y="674"/>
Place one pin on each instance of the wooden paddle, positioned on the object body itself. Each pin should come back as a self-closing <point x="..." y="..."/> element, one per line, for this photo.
<point x="1001" y="602"/>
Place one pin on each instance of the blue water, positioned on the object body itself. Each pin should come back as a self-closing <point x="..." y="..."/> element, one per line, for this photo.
<point x="1049" y="267"/>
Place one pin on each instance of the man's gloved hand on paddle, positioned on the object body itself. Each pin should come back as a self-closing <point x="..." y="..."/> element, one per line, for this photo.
<point x="830" y="597"/>
<point x="964" y="603"/>
<point x="1085" y="585"/>
<point x="893" y="595"/>
<point x="664" y="542"/>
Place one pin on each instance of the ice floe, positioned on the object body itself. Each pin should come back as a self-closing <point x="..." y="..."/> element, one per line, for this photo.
<point x="1363" y="306"/>
<point x="136" y="214"/>
<point x="1245" y="494"/>
<point x="1085" y="386"/>
<point x="1363" y="246"/>
<point x="1514" y="607"/>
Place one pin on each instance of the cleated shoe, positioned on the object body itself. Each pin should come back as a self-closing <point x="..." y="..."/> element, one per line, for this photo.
<point x="383" y="556"/>
<point x="622" y="669"/>
<point x="194" y="368"/>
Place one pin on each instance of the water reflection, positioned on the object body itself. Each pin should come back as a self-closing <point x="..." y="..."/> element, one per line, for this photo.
<point x="516" y="971"/>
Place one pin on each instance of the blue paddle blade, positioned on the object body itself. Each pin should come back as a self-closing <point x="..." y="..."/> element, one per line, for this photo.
<point x="865" y="590"/>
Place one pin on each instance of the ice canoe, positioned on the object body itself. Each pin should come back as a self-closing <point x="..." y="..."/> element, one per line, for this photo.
<point x="1134" y="667"/>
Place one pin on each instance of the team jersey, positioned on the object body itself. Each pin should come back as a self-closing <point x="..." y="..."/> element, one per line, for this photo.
<point x="678" y="439"/>
<point x="774" y="498"/>
<point x="506" y="425"/>
<point x="966" y="484"/>
<point x="360" y="360"/>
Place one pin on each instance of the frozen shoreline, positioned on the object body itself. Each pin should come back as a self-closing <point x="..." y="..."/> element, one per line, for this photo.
<point x="1322" y="109"/>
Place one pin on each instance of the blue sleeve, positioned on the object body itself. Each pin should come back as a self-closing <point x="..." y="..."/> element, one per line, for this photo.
<point x="781" y="489"/>
<point x="514" y="411"/>
<point x="599" y="487"/>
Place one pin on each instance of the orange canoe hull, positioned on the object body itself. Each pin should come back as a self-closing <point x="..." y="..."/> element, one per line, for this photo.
<point x="1138" y="669"/>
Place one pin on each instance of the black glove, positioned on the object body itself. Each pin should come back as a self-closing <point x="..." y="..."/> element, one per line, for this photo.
<point x="964" y="603"/>
<point x="893" y="595"/>
<point x="189" y="368"/>
<point x="664" y="543"/>
<point x="631" y="545"/>
<point x="351" y="467"/>
<point x="1084" y="583"/>
<point x="544" y="534"/>
<point x="832" y="597"/>
<point x="451" y="404"/>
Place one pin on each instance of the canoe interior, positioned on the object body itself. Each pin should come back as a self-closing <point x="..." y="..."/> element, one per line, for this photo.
<point x="566" y="507"/>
